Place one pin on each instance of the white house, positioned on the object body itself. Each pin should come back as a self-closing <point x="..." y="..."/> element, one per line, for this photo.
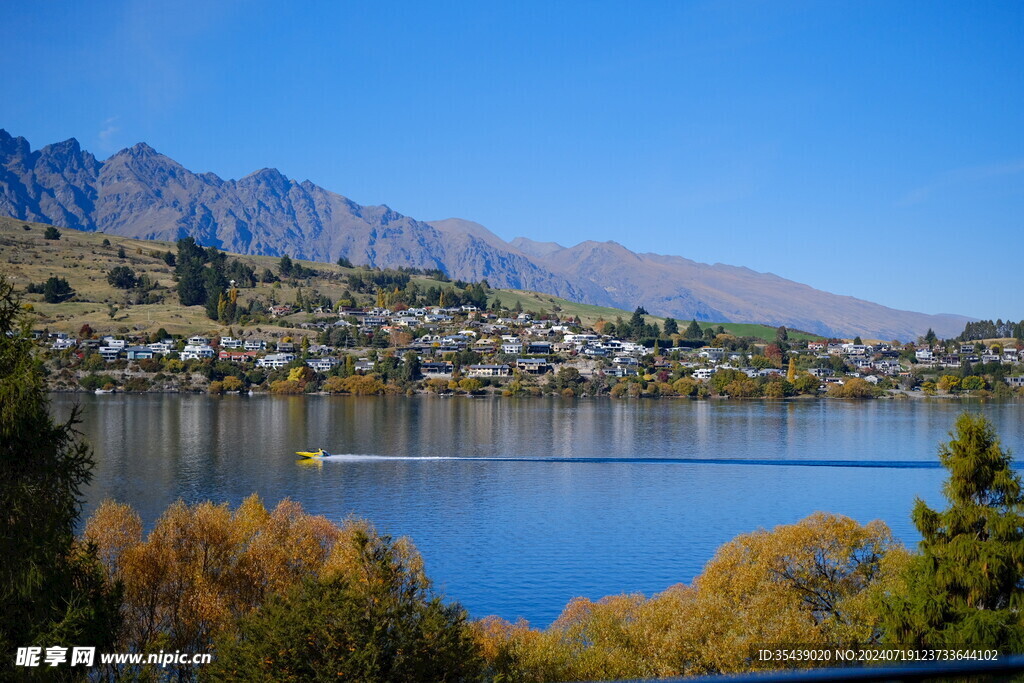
<point x="712" y="353"/>
<point x="162" y="348"/>
<point x="275" y="360"/>
<point x="487" y="370"/>
<point x="322" y="364"/>
<point x="513" y="348"/>
<point x="197" y="352"/>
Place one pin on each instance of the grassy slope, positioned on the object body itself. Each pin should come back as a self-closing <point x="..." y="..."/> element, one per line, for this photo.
<point x="81" y="258"/>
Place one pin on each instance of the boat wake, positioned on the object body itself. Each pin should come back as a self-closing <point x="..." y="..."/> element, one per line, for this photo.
<point x="878" y="464"/>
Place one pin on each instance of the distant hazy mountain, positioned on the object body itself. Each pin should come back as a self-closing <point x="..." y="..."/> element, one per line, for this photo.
<point x="139" y="192"/>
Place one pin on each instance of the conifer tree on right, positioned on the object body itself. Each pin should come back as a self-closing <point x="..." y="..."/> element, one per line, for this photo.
<point x="966" y="586"/>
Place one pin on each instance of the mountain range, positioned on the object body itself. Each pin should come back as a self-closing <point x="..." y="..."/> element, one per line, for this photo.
<point x="141" y="193"/>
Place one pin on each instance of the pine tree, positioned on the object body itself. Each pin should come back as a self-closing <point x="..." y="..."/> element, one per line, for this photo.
<point x="965" y="587"/>
<point x="693" y="331"/>
<point x="51" y="587"/>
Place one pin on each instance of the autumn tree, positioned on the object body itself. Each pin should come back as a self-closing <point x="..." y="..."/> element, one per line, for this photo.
<point x="371" y="616"/>
<point x="204" y="567"/>
<point x="965" y="588"/>
<point x="853" y="388"/>
<point x="815" y="582"/>
<point x="51" y="588"/>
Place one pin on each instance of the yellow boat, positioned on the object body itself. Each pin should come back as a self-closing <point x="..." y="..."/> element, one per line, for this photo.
<point x="319" y="453"/>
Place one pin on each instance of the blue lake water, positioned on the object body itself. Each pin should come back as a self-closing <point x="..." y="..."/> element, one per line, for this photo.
<point x="520" y="505"/>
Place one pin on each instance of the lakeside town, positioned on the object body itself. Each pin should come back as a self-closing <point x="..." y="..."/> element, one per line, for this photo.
<point x="470" y="351"/>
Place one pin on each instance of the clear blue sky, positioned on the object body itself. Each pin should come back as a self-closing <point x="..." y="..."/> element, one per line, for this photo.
<point x="867" y="148"/>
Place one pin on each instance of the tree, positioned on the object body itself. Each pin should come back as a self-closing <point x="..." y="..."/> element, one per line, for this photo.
<point x="857" y="340"/>
<point x="120" y="253"/>
<point x="373" y="619"/>
<point x="930" y="337"/>
<point x="853" y="388"/>
<point x="122" y="277"/>
<point x="189" y="269"/>
<point x="344" y="262"/>
<point x="411" y="371"/>
<point x="56" y="290"/>
<point x="51" y="233"/>
<point x="814" y="582"/>
<point x="967" y="585"/>
<point x="203" y="567"/>
<point x="51" y="588"/>
<point x="781" y="334"/>
<point x="671" y="327"/>
<point x="285" y="265"/>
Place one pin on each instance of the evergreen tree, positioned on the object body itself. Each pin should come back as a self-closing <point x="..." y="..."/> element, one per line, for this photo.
<point x="693" y="331"/>
<point x="51" y="233"/>
<point x="671" y="327"/>
<point x="122" y="277"/>
<point x="56" y="290"/>
<point x="411" y="371"/>
<point x="285" y="265"/>
<point x="966" y="588"/>
<point x="51" y="587"/>
<point x="189" y="269"/>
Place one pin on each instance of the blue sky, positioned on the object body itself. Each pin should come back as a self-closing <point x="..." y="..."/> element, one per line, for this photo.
<point x="874" y="149"/>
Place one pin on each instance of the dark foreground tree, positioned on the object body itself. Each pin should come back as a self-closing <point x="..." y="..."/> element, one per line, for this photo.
<point x="965" y="587"/>
<point x="51" y="589"/>
<point x="379" y="624"/>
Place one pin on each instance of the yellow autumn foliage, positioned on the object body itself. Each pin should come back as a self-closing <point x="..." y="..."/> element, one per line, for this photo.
<point x="203" y="567"/>
<point x="815" y="582"/>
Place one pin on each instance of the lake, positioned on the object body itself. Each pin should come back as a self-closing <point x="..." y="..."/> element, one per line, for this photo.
<point x="518" y="505"/>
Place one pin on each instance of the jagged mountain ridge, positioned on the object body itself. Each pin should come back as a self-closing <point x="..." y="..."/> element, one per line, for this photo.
<point x="141" y="193"/>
